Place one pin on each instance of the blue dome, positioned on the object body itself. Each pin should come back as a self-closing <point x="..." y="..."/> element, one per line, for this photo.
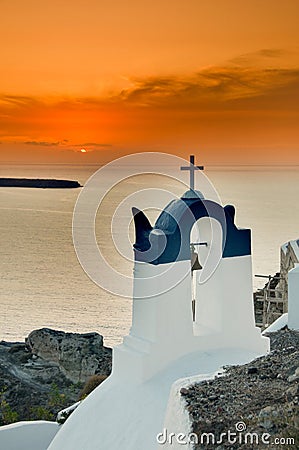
<point x="192" y="194"/>
<point x="175" y="223"/>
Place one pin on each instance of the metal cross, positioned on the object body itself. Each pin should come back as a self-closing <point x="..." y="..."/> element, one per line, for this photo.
<point x="192" y="169"/>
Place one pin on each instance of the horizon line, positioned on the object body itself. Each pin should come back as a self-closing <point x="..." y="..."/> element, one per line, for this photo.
<point x="278" y="165"/>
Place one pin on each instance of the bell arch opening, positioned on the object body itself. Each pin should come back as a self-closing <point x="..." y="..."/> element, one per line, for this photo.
<point x="206" y="247"/>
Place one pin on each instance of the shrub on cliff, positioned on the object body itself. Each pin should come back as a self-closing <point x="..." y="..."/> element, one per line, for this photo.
<point x="91" y="384"/>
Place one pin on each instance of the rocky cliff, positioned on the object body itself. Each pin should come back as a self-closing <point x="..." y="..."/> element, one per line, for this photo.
<point x="47" y="372"/>
<point x="78" y="356"/>
<point x="259" y="397"/>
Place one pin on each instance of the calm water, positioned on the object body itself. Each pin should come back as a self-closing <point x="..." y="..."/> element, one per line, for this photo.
<point x="43" y="285"/>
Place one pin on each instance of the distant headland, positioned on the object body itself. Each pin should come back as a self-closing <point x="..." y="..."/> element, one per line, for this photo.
<point x="39" y="183"/>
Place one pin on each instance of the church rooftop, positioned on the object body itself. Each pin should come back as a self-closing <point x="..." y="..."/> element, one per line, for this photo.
<point x="192" y="194"/>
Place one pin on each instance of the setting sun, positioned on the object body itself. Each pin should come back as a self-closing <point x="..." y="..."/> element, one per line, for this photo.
<point x="83" y="150"/>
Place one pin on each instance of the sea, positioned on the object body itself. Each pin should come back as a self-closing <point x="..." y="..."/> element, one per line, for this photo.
<point x="42" y="283"/>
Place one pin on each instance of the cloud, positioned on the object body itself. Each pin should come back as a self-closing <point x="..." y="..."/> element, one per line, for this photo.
<point x="213" y="87"/>
<point x="231" y="100"/>
<point x="18" y="100"/>
<point x="260" y="57"/>
<point x="43" y="143"/>
<point x="68" y="146"/>
<point x="93" y="145"/>
<point x="249" y="76"/>
<point x="272" y="52"/>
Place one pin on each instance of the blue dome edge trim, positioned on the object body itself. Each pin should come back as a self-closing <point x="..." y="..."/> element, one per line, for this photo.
<point x="175" y="223"/>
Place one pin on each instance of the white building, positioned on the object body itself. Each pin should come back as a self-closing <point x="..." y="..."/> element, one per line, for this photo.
<point x="289" y="257"/>
<point x="166" y="349"/>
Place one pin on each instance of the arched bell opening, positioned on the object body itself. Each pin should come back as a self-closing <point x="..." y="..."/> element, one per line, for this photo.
<point x="206" y="244"/>
<point x="195" y="263"/>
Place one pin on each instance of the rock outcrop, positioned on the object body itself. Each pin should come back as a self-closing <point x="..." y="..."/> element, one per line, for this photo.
<point x="262" y="397"/>
<point x="39" y="183"/>
<point x="78" y="356"/>
<point x="47" y="373"/>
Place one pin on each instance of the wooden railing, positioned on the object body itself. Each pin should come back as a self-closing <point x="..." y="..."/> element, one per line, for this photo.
<point x="269" y="303"/>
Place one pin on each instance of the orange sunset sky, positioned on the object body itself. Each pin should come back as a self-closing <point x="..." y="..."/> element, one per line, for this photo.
<point x="216" y="77"/>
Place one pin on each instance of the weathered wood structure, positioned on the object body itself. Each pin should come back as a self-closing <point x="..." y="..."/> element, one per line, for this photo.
<point x="272" y="301"/>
